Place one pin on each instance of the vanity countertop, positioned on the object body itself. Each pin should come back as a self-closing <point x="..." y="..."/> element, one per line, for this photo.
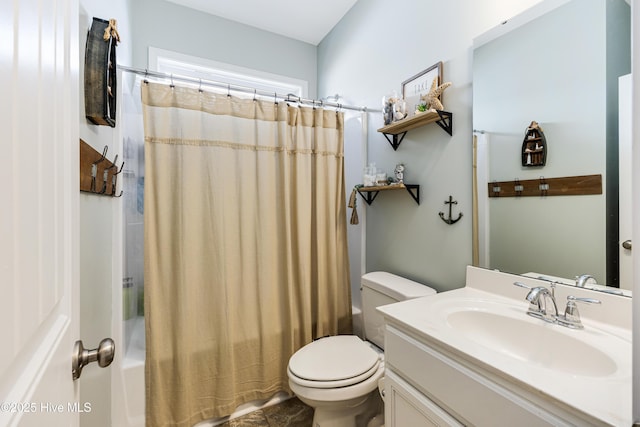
<point x="597" y="386"/>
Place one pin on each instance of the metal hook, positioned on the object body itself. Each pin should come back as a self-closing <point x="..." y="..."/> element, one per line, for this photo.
<point x="294" y="99"/>
<point x="105" y="175"/>
<point x="120" y="170"/>
<point x="114" y="179"/>
<point x="104" y="154"/>
<point x="94" y="168"/>
<point x="543" y="186"/>
<point x="518" y="187"/>
<point x="289" y="98"/>
<point x="113" y="165"/>
<point x="496" y="189"/>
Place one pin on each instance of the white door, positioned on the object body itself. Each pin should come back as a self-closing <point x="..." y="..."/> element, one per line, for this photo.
<point x="624" y="179"/>
<point x="38" y="212"/>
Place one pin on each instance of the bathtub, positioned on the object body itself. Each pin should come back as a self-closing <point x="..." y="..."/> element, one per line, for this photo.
<point x="128" y="381"/>
<point x="128" y="394"/>
<point x="129" y="391"/>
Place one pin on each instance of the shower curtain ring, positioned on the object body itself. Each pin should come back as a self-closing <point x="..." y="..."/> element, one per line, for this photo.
<point x="254" y="94"/>
<point x="172" y="85"/>
<point x="200" y="86"/>
<point x="228" y="91"/>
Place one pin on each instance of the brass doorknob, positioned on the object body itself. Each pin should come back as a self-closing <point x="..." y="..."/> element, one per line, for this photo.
<point x="81" y="357"/>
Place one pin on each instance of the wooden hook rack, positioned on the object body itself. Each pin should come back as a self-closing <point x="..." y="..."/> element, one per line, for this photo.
<point x="98" y="175"/>
<point x="564" y="186"/>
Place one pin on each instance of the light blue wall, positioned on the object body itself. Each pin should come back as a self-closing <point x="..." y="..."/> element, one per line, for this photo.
<point x="165" y="25"/>
<point x="373" y="49"/>
<point x="377" y="46"/>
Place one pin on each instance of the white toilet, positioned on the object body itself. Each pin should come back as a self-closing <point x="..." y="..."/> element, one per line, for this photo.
<point x="338" y="376"/>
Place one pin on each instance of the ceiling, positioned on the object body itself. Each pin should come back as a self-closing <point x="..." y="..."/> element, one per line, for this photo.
<point x="305" y="20"/>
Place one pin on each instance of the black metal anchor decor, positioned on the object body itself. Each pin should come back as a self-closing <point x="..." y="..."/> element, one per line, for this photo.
<point x="449" y="220"/>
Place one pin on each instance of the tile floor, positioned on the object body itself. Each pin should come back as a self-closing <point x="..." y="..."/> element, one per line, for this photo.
<point x="290" y="413"/>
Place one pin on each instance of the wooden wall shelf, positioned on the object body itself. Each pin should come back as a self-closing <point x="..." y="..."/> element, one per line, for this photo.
<point x="564" y="186"/>
<point x="369" y="194"/>
<point x="396" y="131"/>
<point x="534" y="147"/>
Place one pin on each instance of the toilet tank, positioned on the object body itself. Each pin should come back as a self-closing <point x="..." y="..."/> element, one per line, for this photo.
<point x="380" y="288"/>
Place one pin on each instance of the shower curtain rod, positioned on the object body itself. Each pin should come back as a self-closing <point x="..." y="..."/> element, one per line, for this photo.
<point x="243" y="89"/>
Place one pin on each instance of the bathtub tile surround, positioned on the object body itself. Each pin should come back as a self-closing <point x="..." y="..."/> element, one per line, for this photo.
<point x="290" y="413"/>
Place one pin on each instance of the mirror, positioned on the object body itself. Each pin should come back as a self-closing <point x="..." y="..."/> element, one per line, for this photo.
<point x="557" y="64"/>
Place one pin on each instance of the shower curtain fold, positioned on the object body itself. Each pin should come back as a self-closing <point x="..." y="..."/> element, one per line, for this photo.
<point x="245" y="247"/>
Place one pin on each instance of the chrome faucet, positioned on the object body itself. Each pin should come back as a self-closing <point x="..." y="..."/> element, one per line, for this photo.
<point x="538" y="307"/>
<point x="538" y="298"/>
<point x="571" y="317"/>
<point x="583" y="279"/>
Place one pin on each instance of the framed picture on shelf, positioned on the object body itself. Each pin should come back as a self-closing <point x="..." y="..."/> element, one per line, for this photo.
<point x="414" y="87"/>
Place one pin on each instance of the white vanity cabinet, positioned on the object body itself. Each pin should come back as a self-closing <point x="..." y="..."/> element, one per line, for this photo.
<point x="472" y="356"/>
<point x="407" y="406"/>
<point x="430" y="385"/>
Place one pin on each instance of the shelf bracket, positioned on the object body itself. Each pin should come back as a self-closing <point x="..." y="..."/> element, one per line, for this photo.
<point x="414" y="191"/>
<point x="396" y="140"/>
<point x="369" y="197"/>
<point x="446" y="121"/>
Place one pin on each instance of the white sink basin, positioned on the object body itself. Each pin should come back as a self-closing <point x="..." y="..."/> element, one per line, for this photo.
<point x="484" y="328"/>
<point x="533" y="341"/>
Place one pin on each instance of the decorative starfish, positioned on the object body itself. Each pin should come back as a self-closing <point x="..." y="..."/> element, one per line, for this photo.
<point x="432" y="99"/>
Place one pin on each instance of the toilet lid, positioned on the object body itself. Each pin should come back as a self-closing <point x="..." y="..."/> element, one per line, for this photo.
<point x="337" y="358"/>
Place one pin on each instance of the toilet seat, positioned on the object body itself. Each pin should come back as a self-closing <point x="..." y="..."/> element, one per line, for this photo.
<point x="334" y="383"/>
<point x="332" y="362"/>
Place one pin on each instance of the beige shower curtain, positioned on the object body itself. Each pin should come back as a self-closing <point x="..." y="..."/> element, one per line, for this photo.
<point x="245" y="247"/>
